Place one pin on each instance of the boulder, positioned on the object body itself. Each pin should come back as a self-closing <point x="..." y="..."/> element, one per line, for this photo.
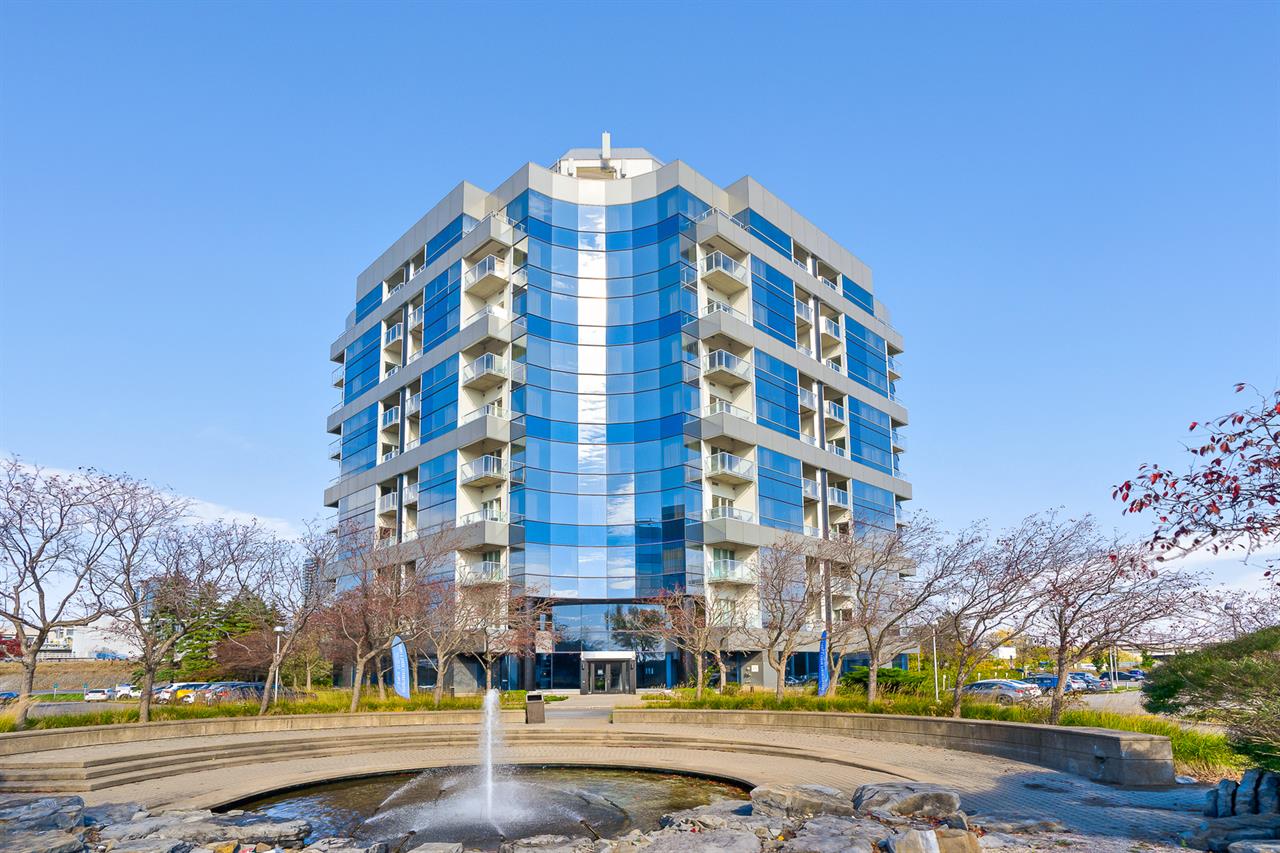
<point x="712" y="841"/>
<point x="1217" y="835"/>
<point x="1000" y="839"/>
<point x="548" y="844"/>
<point x="909" y="799"/>
<point x="711" y="815"/>
<point x="41" y="841"/>
<point x="1254" y="847"/>
<point x="831" y="834"/>
<point x="957" y="841"/>
<point x="1268" y="798"/>
<point x="26" y="814"/>
<point x="911" y="841"/>
<point x="1013" y="823"/>
<point x="435" y="847"/>
<point x="208" y="829"/>
<point x="106" y="814"/>
<point x="350" y="845"/>
<point x="1227" y="797"/>
<point x="153" y="845"/>
<point x="800" y="801"/>
<point x="140" y="828"/>
<point x="1247" y="793"/>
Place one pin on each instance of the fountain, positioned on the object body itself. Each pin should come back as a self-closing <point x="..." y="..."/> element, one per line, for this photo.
<point x="490" y="803"/>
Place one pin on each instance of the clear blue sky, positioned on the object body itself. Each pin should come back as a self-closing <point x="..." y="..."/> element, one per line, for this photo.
<point x="1073" y="211"/>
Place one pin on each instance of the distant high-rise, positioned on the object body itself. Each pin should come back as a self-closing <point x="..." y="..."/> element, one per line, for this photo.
<point x="615" y="378"/>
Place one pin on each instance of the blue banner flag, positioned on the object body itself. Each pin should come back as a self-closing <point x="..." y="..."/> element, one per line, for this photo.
<point x="400" y="667"/>
<point x="823" y="678"/>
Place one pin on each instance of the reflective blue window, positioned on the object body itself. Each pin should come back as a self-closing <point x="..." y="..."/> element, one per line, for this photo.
<point x="359" y="440"/>
<point x="362" y="364"/>
<point x="437" y="491"/>
<point x="773" y="302"/>
<point x="857" y="294"/>
<point x="367" y="303"/>
<point x="867" y="356"/>
<point x="766" y="231"/>
<point x="781" y="495"/>
<point x="777" y="394"/>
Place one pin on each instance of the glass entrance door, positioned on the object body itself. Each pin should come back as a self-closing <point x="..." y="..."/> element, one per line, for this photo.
<point x="608" y="676"/>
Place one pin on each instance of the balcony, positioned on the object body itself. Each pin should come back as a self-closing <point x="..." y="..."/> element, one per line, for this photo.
<point x="727" y="468"/>
<point x="496" y="516"/>
<point x="715" y="306"/>
<point x="393" y="334"/>
<point x="413" y="405"/>
<point x="416" y="316"/>
<point x="729" y="571"/>
<point x="833" y="411"/>
<point x="720" y="407"/>
<point x="810" y="439"/>
<point x="834" y="364"/>
<point x="487" y="277"/>
<point x="726" y="368"/>
<point x="390" y="417"/>
<point x="721" y="227"/>
<point x="838" y="497"/>
<point x="488" y="410"/>
<point x="830" y="330"/>
<point x="892" y="365"/>
<point x="829" y="283"/>
<point x="479" y="574"/>
<point x="837" y="449"/>
<point x="411" y="443"/>
<point x="841" y="586"/>
<point x="716" y="513"/>
<point x="490" y="371"/>
<point x="485" y="471"/>
<point x="388" y="502"/>
<point x="339" y="375"/>
<point x="335" y="448"/>
<point x="495" y="311"/>
<point x="815" y="532"/>
<point x="389" y="455"/>
<point x="810" y="489"/>
<point x="724" y="273"/>
<point x="804" y="312"/>
<point x="494" y="231"/>
<point x="805" y="351"/>
<point x="808" y="400"/>
<point x="899" y="442"/>
<point x="410" y="497"/>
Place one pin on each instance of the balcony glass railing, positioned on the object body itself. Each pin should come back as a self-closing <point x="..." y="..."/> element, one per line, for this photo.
<point x="726" y="361"/>
<point x="497" y="216"/>
<point x="488" y="410"/>
<point x="815" y="532"/>
<point x="804" y="350"/>
<point x="391" y="416"/>
<point x="838" y="497"/>
<point x="392" y="371"/>
<point x="832" y="447"/>
<point x="720" y="407"/>
<point x="808" y="399"/>
<point x="829" y="283"/>
<point x="415" y="355"/>
<point x="715" y="306"/>
<point x="489" y="265"/>
<point x="494" y="364"/>
<point x="899" y="440"/>
<point x="718" y="512"/>
<point x="830" y="328"/>
<point x="393" y="334"/>
<point x="834" y="364"/>
<point x="495" y="515"/>
<point x="388" y="502"/>
<point x="892" y="363"/>
<point x="729" y="570"/>
<point x="495" y="311"/>
<point x="810" y="489"/>
<point x="804" y="311"/>
<point x="413" y="405"/>
<point x="727" y="463"/>
<point x="416" y="316"/>
<point x="485" y="466"/>
<point x="810" y="439"/>
<point x="720" y="262"/>
<point x="389" y="455"/>
<point x="715" y="211"/>
<point x="489" y="571"/>
<point x="834" y="411"/>
<point x="339" y="374"/>
<point x="394" y="289"/>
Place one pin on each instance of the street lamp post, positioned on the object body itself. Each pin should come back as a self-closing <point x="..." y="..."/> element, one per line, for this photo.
<point x="935" y="663"/>
<point x="279" y="629"/>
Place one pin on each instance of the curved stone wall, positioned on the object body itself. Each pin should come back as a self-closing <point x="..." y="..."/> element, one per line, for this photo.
<point x="1103" y="755"/>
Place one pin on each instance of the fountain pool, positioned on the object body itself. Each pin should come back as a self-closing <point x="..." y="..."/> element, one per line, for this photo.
<point x="449" y="804"/>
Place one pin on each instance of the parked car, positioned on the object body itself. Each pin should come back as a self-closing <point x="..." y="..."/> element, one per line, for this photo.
<point x="1046" y="683"/>
<point x="1122" y="677"/>
<point x="180" y="695"/>
<point x="7" y="696"/>
<point x="169" y="693"/>
<point x="97" y="694"/>
<point x="1088" y="679"/>
<point x="1004" y="691"/>
<point x="126" y="691"/>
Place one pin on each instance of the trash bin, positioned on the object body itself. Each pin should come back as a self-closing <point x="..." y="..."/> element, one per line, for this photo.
<point x="535" y="710"/>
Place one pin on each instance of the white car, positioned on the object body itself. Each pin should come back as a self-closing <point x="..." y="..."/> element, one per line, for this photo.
<point x="126" y="691"/>
<point x="97" y="694"/>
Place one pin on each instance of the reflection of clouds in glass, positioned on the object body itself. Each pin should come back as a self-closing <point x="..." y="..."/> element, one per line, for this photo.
<point x="593" y="312"/>
<point x="592" y="458"/>
<point x="593" y="408"/>
<point x="592" y="264"/>
<point x="592" y="383"/>
<point x="591" y="359"/>
<point x="591" y="217"/>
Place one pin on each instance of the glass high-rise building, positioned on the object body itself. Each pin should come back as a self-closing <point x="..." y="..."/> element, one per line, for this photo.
<point x="615" y="378"/>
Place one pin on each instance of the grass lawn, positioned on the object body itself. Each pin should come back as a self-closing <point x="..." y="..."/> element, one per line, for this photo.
<point x="322" y="702"/>
<point x="1205" y="755"/>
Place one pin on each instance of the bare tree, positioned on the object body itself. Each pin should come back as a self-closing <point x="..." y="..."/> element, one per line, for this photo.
<point x="53" y="541"/>
<point x="290" y="591"/>
<point x="685" y="623"/>
<point x="171" y="579"/>
<point x="995" y="589"/>
<point x="790" y="588"/>
<point x="890" y="576"/>
<point x="729" y="621"/>
<point x="389" y="592"/>
<point x="503" y="621"/>
<point x="1098" y="593"/>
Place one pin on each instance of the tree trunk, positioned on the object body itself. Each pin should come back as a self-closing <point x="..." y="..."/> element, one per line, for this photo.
<point x="438" y="694"/>
<point x="955" y="694"/>
<point x="701" y="678"/>
<point x="377" y="678"/>
<point x="488" y="675"/>
<point x="778" y="663"/>
<point x="413" y="674"/>
<point x="267" y="687"/>
<point x="28" y="685"/>
<point x="357" y="683"/>
<point x="873" y="678"/>
<point x="309" y="663"/>
<point x="724" y="673"/>
<point x="144" y="700"/>
<point x="1055" y="706"/>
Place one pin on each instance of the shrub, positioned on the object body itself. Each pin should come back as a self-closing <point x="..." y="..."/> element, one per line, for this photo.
<point x="889" y="680"/>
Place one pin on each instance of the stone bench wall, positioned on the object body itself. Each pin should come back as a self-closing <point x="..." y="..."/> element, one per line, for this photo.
<point x="1103" y="755"/>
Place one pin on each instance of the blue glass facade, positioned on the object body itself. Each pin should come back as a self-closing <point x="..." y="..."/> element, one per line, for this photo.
<point x="580" y="332"/>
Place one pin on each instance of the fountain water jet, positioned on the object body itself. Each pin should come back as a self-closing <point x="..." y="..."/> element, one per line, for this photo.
<point x="489" y="739"/>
